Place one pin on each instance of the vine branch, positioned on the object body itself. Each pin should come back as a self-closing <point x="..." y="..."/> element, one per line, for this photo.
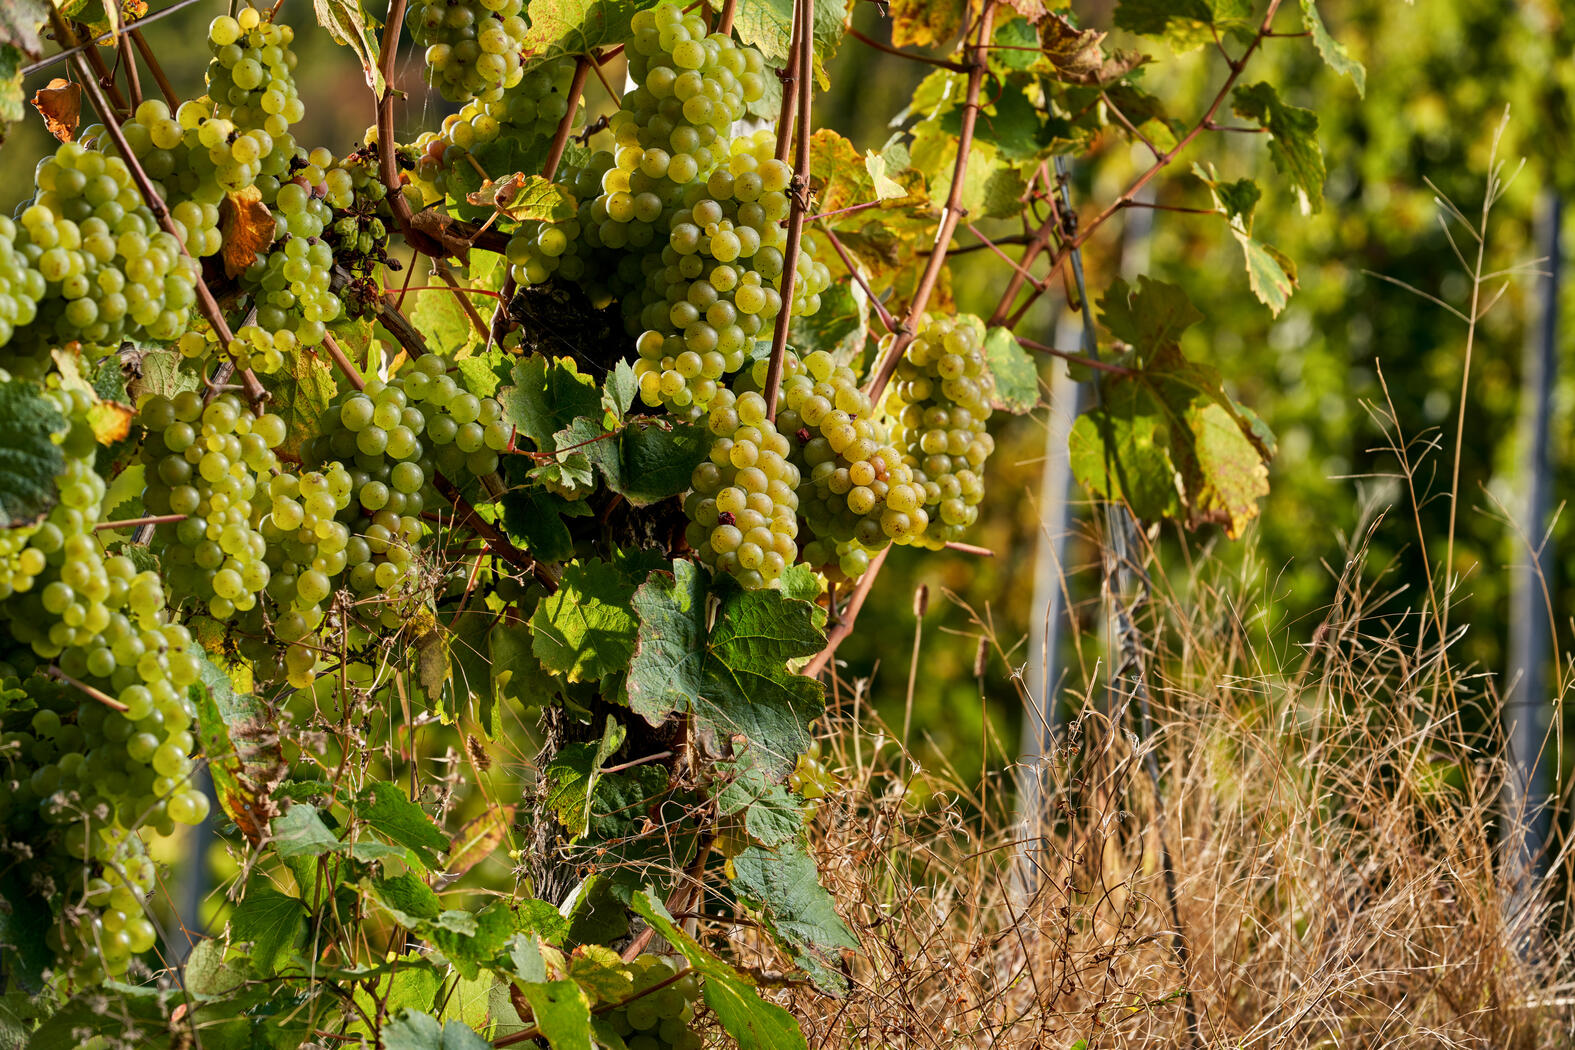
<point x="805" y="15"/>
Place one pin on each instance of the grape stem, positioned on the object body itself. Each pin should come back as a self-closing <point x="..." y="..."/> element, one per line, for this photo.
<point x="1077" y="359"/>
<point x="155" y="202"/>
<point x="560" y="138"/>
<point x="804" y="15"/>
<point x="844" y="626"/>
<point x="858" y="275"/>
<point x="388" y="51"/>
<point x="96" y="694"/>
<point x="157" y="70"/>
<point x="953" y="214"/>
<point x="127" y="523"/>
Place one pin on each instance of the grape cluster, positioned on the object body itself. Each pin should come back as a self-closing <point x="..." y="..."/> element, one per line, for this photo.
<point x="205" y="461"/>
<point x="358" y="232"/>
<point x="857" y="494"/>
<point x="473" y="46"/>
<point x="530" y="111"/>
<point x="941" y="397"/>
<point x="291" y="282"/>
<point x="109" y="272"/>
<point x="21" y="285"/>
<point x="743" y="505"/>
<point x="103" y="752"/>
<point x="659" y="1019"/>
<point x="251" y="79"/>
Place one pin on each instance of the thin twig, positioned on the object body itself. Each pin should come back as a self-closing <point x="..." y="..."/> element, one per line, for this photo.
<point x="858" y="275"/>
<point x="805" y="12"/>
<point x="129" y="523"/>
<point x="153" y="66"/>
<point x="1077" y="359"/>
<point x="45" y="63"/>
<point x="955" y="67"/>
<point x="844" y="627"/>
<point x="87" y="690"/>
<point x="978" y="64"/>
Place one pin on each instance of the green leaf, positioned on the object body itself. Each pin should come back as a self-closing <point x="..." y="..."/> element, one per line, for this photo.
<point x="562" y="1012"/>
<point x="768" y="26"/>
<point x="205" y="973"/>
<point x="732" y="676"/>
<point x="1167" y="438"/>
<point x="12" y="100"/>
<point x="772" y="814"/>
<point x="1293" y="139"/>
<point x="784" y="885"/>
<point x="413" y="1030"/>
<point x="574" y="27"/>
<point x="387" y="811"/>
<point x="272" y="922"/>
<point x="1015" y="376"/>
<point x="300" y="393"/>
<point x="534" y="518"/>
<point x="29" y="458"/>
<point x="477" y="941"/>
<point x="1234" y="200"/>
<point x="840" y="327"/>
<point x="437" y="313"/>
<point x="300" y="832"/>
<point x="573" y="773"/>
<point x="1270" y="273"/>
<point x="535" y="198"/>
<point x="657" y="457"/>
<point x="1334" y="54"/>
<point x="548" y="394"/>
<point x="162" y="374"/>
<point x="347" y="23"/>
<point x="411" y="902"/>
<point x="1184" y="24"/>
<point x="585" y="630"/>
<point x="753" y="1022"/>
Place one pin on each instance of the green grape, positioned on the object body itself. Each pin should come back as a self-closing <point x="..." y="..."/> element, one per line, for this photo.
<point x="743" y="503"/>
<point x="473" y="46"/>
<point x="83" y="782"/>
<point x="251" y="82"/>
<point x="663" y="1017"/>
<point x="102" y="269"/>
<point x="940" y="396"/>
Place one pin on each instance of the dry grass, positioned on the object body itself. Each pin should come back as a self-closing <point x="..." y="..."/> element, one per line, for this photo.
<point x="1331" y="815"/>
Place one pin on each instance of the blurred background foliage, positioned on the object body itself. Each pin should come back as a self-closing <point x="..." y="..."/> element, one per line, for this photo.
<point x="1439" y="76"/>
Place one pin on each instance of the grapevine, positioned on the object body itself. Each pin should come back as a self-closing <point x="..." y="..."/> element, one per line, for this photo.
<point x="329" y="609"/>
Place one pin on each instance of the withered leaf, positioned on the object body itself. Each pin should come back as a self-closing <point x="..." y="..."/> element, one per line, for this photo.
<point x="1078" y="55"/>
<point x="247" y="227"/>
<point x="60" y="104"/>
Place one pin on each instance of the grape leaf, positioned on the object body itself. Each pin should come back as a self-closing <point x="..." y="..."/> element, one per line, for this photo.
<point x="272" y="922"/>
<point x="439" y="315"/>
<point x="782" y="883"/>
<point x="768" y="26"/>
<point x="347" y="23"/>
<point x="29" y="458"/>
<point x="240" y="738"/>
<point x="840" y="327"/>
<point x="657" y="458"/>
<point x="247" y="227"/>
<point x="585" y="630"/>
<point x="1167" y="438"/>
<point x="753" y="1022"/>
<point x="1293" y="139"/>
<point x="109" y="420"/>
<point x="562" y="1012"/>
<point x="733" y="676"/>
<point x="387" y="811"/>
<point x="477" y="840"/>
<point x="299" y="393"/>
<point x="1270" y="272"/>
<point x="575" y="27"/>
<point x="926" y="23"/>
<point x="573" y="773"/>
<point x="60" y="104"/>
<point x="1184" y="24"/>
<point x="548" y="394"/>
<point x="300" y="832"/>
<point x="1014" y="375"/>
<point x="24" y="931"/>
<point x="1334" y="54"/>
<point x="772" y="814"/>
<point x="413" y="1030"/>
<point x="128" y="1016"/>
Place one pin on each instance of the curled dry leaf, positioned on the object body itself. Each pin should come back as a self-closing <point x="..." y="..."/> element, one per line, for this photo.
<point x="60" y="104"/>
<point x="247" y="227"/>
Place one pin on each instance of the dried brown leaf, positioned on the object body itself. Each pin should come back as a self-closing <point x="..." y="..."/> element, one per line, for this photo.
<point x="247" y="227"/>
<point x="60" y="104"/>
